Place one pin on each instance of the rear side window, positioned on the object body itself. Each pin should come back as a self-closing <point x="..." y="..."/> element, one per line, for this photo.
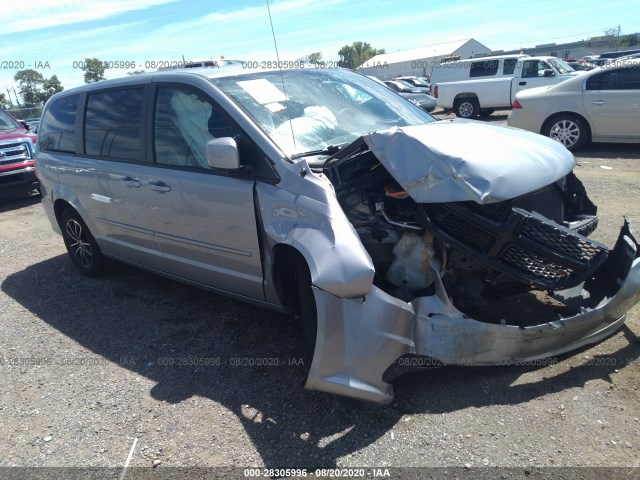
<point x="509" y="66"/>
<point x="112" y="126"/>
<point x="621" y="79"/>
<point x="57" y="129"/>
<point x="485" y="68"/>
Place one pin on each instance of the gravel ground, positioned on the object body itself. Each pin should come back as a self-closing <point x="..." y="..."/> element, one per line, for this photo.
<point x="89" y="365"/>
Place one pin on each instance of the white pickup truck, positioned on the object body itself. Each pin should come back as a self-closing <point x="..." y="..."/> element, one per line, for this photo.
<point x="479" y="86"/>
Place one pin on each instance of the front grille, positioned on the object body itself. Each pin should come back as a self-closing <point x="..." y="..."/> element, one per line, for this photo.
<point x="498" y="212"/>
<point x="541" y="268"/>
<point x="14" y="153"/>
<point x="588" y="227"/>
<point x="522" y="244"/>
<point x="559" y="239"/>
<point x="466" y="232"/>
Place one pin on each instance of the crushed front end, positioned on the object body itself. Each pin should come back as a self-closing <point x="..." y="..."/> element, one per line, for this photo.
<point x="456" y="250"/>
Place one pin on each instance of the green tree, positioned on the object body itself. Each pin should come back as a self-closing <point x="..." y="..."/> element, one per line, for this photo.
<point x="93" y="70"/>
<point x="354" y="55"/>
<point x="314" y="58"/>
<point x="4" y="102"/>
<point x="630" y="40"/>
<point x="50" y="87"/>
<point x="29" y="83"/>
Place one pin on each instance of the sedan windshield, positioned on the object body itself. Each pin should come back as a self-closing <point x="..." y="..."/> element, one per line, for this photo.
<point x="307" y="111"/>
<point x="560" y="65"/>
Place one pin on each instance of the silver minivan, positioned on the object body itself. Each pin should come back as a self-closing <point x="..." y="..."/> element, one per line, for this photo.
<point x="319" y="192"/>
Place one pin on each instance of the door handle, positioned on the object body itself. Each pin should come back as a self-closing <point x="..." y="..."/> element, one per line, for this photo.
<point x="598" y="102"/>
<point x="522" y="83"/>
<point x="131" y="182"/>
<point x="159" y="186"/>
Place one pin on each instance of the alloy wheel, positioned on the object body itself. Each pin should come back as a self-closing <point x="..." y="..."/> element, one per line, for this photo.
<point x="566" y="132"/>
<point x="78" y="243"/>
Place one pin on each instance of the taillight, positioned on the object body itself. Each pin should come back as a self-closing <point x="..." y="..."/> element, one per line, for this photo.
<point x="516" y="104"/>
<point x="435" y="91"/>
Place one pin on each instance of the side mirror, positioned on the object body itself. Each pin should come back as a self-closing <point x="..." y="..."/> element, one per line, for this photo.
<point x="25" y="125"/>
<point x="222" y="153"/>
<point x="549" y="73"/>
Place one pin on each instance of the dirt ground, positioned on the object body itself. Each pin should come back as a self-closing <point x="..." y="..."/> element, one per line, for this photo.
<point x="93" y="370"/>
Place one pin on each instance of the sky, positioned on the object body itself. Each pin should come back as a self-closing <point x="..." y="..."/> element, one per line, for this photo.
<point x="55" y="36"/>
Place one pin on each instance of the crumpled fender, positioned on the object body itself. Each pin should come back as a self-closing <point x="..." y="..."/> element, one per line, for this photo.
<point x="306" y="215"/>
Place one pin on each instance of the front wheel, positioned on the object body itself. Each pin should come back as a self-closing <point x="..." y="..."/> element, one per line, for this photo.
<point x="569" y="130"/>
<point x="466" y="108"/>
<point x="308" y="312"/>
<point x="81" y="246"/>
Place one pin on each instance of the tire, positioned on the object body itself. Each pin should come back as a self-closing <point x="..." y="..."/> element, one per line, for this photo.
<point x="308" y="312"/>
<point x="485" y="112"/>
<point x="569" y="130"/>
<point x="466" y="108"/>
<point x="81" y="246"/>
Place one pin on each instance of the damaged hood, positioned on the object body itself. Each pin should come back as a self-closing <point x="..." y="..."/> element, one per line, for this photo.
<point x="460" y="160"/>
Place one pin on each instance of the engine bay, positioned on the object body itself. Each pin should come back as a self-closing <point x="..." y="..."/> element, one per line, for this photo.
<point x="489" y="253"/>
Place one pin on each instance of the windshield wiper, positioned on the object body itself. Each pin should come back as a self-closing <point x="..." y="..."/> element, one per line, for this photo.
<point x="330" y="150"/>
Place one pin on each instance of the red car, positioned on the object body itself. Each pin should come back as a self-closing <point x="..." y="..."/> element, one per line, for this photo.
<point x="17" y="149"/>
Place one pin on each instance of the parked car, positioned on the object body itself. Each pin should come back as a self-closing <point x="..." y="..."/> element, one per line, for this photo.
<point x="418" y="82"/>
<point x="479" y="86"/>
<point x="422" y="100"/>
<point x="17" y="167"/>
<point x="617" y="54"/>
<point x="32" y="123"/>
<point x="623" y="58"/>
<point x="599" y="106"/>
<point x="400" y="86"/>
<point x="578" y="66"/>
<point x="390" y="234"/>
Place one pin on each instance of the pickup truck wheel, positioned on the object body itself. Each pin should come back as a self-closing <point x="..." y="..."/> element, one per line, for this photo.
<point x="569" y="130"/>
<point x="308" y="313"/>
<point x="81" y="246"/>
<point x="466" y="108"/>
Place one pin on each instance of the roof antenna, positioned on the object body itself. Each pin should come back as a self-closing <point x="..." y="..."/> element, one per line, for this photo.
<point x="286" y="99"/>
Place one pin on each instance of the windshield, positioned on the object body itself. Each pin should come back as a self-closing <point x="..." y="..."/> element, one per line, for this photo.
<point x="317" y="109"/>
<point x="561" y="66"/>
<point x="7" y="122"/>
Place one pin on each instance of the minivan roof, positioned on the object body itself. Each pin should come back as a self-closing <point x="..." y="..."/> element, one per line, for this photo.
<point x="237" y="68"/>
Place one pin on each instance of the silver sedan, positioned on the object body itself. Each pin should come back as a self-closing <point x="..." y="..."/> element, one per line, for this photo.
<point x="602" y="105"/>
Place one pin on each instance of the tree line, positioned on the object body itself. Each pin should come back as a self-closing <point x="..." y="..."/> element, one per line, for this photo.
<point x="34" y="89"/>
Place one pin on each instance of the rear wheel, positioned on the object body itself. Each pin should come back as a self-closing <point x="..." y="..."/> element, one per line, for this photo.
<point x="81" y="246"/>
<point x="466" y="108"/>
<point x="569" y="130"/>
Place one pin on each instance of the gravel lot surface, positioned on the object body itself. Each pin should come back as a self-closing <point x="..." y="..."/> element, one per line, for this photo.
<point x="89" y="365"/>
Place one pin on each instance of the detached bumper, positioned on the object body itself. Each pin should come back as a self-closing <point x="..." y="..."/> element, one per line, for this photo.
<point x="359" y="339"/>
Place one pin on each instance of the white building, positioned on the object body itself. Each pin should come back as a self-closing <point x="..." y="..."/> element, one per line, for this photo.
<point x="420" y="61"/>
